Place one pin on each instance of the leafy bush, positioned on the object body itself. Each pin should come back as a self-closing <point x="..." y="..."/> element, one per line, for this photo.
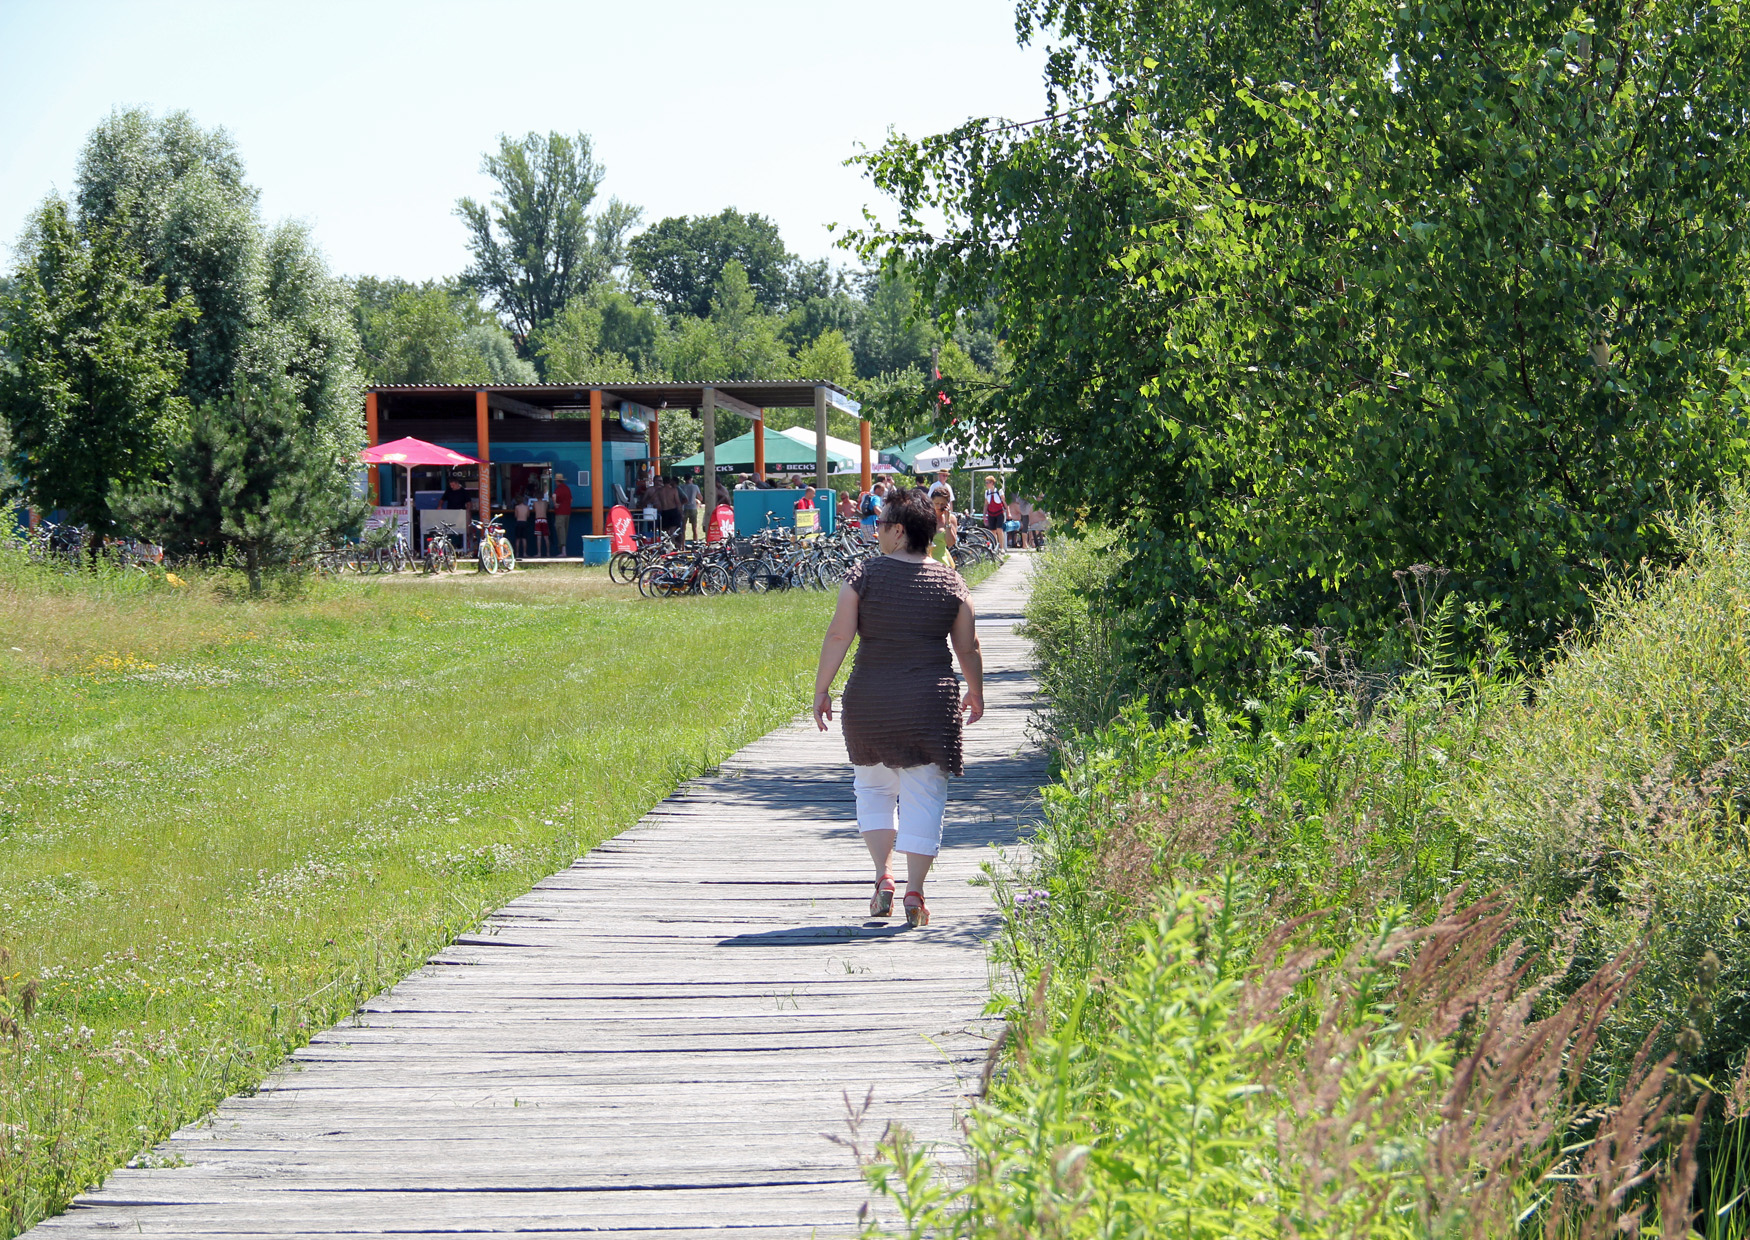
<point x="1604" y="799"/>
<point x="1086" y="665"/>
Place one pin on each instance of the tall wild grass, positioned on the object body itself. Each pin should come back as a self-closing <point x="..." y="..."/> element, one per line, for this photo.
<point x="1595" y="809"/>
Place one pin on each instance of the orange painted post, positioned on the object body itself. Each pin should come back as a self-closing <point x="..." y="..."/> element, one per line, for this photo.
<point x="596" y="525"/>
<point x="863" y="438"/>
<point x="759" y="449"/>
<point x="655" y="443"/>
<point x="483" y="450"/>
<point x="371" y="441"/>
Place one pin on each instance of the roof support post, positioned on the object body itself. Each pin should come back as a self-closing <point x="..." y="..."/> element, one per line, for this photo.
<point x="708" y="428"/>
<point x="820" y="463"/>
<point x="759" y="448"/>
<point x="483" y="450"/>
<point x="371" y="441"/>
<point x="863" y="439"/>
<point x="596" y="524"/>
<point x="655" y="450"/>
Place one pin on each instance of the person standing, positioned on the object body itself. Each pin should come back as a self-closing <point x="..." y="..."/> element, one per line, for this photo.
<point x="543" y="531"/>
<point x="691" y="499"/>
<point x="666" y="498"/>
<point x="941" y="486"/>
<point x="947" y="535"/>
<point x="870" y="508"/>
<point x="562" y="519"/>
<point x="995" y="510"/>
<point x="1019" y="512"/>
<point x="520" y="526"/>
<point x="902" y="704"/>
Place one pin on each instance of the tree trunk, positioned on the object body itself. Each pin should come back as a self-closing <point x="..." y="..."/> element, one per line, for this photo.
<point x="252" y="566"/>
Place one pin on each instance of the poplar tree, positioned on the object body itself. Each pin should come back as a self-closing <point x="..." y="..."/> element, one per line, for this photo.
<point x="90" y="401"/>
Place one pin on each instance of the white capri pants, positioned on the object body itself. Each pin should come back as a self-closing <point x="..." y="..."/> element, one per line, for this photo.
<point x="909" y="800"/>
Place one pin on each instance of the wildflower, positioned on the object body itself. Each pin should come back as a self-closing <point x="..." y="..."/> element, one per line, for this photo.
<point x="174" y="580"/>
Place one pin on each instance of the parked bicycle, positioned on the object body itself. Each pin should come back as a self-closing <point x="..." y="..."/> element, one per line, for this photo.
<point x="684" y="572"/>
<point x="440" y="553"/>
<point x="625" y="567"/>
<point x="495" y="552"/>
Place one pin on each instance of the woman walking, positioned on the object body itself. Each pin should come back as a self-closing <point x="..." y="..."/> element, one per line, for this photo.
<point x="902" y="704"/>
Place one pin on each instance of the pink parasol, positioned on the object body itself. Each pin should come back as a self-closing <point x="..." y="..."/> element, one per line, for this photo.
<point x="412" y="451"/>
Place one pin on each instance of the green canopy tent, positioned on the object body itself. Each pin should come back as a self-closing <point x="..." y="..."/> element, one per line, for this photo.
<point x="784" y="455"/>
<point x="909" y="451"/>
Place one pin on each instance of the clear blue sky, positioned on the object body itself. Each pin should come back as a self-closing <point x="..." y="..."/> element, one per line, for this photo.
<point x="368" y="118"/>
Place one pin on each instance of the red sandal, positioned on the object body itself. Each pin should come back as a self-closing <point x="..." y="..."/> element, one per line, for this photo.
<point x="881" y="905"/>
<point x="916" y="914"/>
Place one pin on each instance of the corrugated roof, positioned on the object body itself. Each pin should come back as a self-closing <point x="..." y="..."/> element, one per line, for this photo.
<point x="763" y="393"/>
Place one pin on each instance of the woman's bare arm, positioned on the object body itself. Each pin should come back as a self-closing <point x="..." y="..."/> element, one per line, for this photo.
<point x="964" y="636"/>
<point x="839" y="635"/>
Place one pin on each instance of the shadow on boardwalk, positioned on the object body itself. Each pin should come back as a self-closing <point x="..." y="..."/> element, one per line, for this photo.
<point x="606" y="1054"/>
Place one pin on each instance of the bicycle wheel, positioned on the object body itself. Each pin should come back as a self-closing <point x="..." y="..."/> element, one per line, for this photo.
<point x="749" y="577"/>
<point x="713" y="579"/>
<point x="647" y="581"/>
<point x="488" y="556"/>
<point x="623" y="568"/>
<point x="432" y="567"/>
<point x="506" y="555"/>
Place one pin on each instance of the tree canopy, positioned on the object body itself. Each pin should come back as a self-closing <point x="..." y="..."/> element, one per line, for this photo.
<point x="1300" y="298"/>
<point x="91" y="404"/>
<point x="163" y="273"/>
<point x="535" y="245"/>
<point x="681" y="259"/>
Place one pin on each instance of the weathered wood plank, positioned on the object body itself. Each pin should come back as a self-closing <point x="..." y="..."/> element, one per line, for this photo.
<point x="651" y="1042"/>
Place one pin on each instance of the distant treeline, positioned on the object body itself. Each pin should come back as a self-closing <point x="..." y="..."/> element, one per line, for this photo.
<point x="171" y="366"/>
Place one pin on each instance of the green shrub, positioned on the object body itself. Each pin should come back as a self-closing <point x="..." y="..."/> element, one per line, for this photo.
<point x="1086" y="663"/>
<point x="1604" y="799"/>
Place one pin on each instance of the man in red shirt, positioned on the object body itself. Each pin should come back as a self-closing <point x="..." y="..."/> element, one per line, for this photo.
<point x="807" y="500"/>
<point x="562" y="518"/>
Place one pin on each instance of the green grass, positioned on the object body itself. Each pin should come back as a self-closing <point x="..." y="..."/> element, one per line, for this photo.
<point x="224" y="822"/>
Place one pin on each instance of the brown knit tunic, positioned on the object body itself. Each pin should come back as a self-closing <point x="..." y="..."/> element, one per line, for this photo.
<point x="902" y="702"/>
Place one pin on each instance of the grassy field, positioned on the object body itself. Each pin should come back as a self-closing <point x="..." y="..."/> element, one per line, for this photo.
<point x="224" y="822"/>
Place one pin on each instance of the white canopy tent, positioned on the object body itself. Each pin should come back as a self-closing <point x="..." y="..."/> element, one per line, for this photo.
<point x="940" y="456"/>
<point x="834" y="445"/>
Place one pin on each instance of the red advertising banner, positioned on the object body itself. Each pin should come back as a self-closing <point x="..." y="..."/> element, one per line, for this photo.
<point x="722" y="523"/>
<point x="620" y="529"/>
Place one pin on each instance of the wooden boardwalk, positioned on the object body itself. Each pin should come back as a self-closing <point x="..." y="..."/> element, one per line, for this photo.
<point x="651" y="1042"/>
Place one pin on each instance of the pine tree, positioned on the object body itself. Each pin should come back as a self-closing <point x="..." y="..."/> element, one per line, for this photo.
<point x="254" y="476"/>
